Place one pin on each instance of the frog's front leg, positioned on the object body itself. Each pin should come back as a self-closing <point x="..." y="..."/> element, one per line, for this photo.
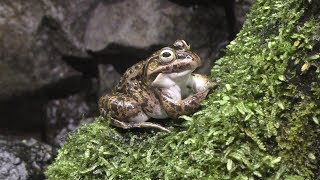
<point x="125" y="112"/>
<point x="176" y="108"/>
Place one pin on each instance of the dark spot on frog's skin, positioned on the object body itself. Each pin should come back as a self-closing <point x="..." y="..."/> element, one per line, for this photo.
<point x="188" y="108"/>
<point x="144" y="99"/>
<point x="114" y="107"/>
<point x="171" y="106"/>
<point x="179" y="108"/>
<point x="116" y="113"/>
<point x="193" y="103"/>
<point x="147" y="110"/>
<point x="120" y="99"/>
<point x="144" y="104"/>
<point x="175" y="66"/>
<point x="186" y="66"/>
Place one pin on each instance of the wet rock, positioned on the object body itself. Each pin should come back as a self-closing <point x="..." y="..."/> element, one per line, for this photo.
<point x="143" y="23"/>
<point x="35" y="35"/>
<point x="14" y="82"/>
<point x="23" y="159"/>
<point x="67" y="114"/>
<point x="228" y="6"/>
<point x="11" y="166"/>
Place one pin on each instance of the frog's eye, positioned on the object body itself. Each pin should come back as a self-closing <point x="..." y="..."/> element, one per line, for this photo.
<point x="167" y="55"/>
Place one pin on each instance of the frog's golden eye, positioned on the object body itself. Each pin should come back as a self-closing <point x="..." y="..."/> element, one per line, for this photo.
<point x="167" y="55"/>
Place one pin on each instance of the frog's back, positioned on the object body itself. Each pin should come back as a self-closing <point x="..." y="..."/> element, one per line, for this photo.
<point x="132" y="78"/>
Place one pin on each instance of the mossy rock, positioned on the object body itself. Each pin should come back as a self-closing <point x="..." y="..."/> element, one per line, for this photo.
<point x="263" y="121"/>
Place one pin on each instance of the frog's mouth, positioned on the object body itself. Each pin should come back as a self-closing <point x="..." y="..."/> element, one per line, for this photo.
<point x="165" y="80"/>
<point x="179" y="74"/>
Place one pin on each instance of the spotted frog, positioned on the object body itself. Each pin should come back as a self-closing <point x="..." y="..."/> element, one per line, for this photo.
<point x="163" y="86"/>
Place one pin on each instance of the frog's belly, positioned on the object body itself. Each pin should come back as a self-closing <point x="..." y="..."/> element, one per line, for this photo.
<point x="175" y="91"/>
<point x="157" y="112"/>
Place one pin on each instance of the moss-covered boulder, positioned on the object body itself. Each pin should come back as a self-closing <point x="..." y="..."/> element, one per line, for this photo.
<point x="263" y="121"/>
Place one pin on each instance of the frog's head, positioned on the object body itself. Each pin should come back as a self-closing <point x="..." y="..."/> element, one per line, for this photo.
<point x="173" y="62"/>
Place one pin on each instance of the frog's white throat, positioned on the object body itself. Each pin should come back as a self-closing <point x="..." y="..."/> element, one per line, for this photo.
<point x="175" y="83"/>
<point x="172" y="79"/>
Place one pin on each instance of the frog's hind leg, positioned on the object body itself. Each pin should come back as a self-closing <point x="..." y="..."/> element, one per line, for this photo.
<point x="126" y="112"/>
<point x="129" y="125"/>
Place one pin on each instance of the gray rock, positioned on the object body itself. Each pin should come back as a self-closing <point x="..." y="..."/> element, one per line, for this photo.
<point x="34" y="37"/>
<point x="66" y="115"/>
<point x="13" y="82"/>
<point x="137" y="23"/>
<point x="11" y="166"/>
<point x="108" y="78"/>
<point x="23" y="159"/>
<point x="142" y="23"/>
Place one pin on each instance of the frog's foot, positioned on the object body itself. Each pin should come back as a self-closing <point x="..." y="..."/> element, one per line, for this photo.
<point x="176" y="108"/>
<point x="202" y="83"/>
<point x="129" y="125"/>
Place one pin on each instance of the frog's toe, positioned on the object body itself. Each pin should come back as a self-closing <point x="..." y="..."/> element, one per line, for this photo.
<point x="213" y="85"/>
<point x="151" y="125"/>
<point x="119" y="124"/>
<point x="129" y="125"/>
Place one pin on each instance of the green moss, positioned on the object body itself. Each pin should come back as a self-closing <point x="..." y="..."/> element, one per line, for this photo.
<point x="263" y="121"/>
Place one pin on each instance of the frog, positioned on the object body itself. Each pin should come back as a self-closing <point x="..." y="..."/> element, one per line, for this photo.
<point x="164" y="86"/>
